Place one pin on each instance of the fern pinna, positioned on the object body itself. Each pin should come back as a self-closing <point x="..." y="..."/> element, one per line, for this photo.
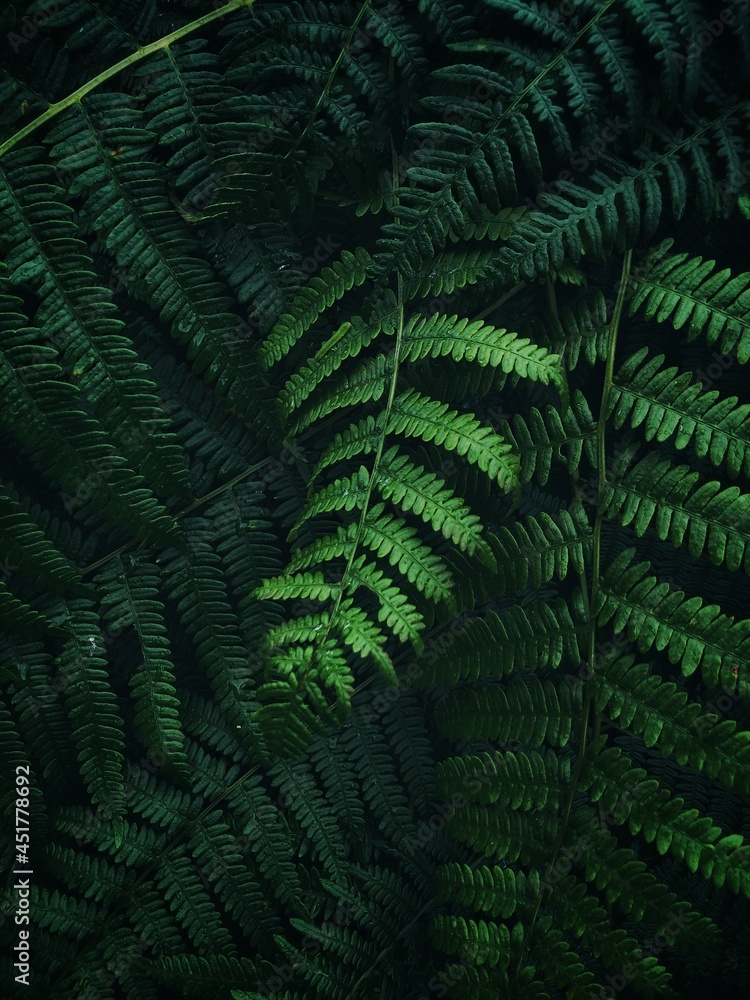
<point x="373" y="523"/>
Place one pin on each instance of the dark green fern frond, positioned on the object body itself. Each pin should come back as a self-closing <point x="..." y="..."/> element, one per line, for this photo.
<point x="46" y="420"/>
<point x="92" y="709"/>
<point x="542" y="547"/>
<point x="79" y="319"/>
<point x="531" y="713"/>
<point x="130" y="597"/>
<point x="543" y="436"/>
<point x="28" y="549"/>
<point x="351" y="392"/>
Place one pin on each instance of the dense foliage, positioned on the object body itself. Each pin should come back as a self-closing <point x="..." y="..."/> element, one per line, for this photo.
<point x="374" y="516"/>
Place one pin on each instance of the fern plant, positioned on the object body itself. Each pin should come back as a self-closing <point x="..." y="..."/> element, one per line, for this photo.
<point x="373" y="519"/>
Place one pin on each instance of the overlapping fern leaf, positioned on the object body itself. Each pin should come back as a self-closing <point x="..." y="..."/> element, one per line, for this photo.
<point x="309" y="662"/>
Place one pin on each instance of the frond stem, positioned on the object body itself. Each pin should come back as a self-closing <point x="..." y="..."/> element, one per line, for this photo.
<point x="381" y="440"/>
<point x="329" y="83"/>
<point x="143" y="53"/>
<point x="590" y="601"/>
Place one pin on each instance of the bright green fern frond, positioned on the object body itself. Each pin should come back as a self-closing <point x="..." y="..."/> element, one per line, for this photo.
<point x="627" y="882"/>
<point x="417" y="416"/>
<point x="663" y="716"/>
<point x="631" y="797"/>
<point x="681" y="289"/>
<point x="396" y="611"/>
<point x="425" y="493"/>
<point x="369" y="381"/>
<point x="365" y="638"/>
<point x="325" y="289"/>
<point x="669" y="404"/>
<point x="391" y="538"/>
<point x="351" y="337"/>
<point x="693" y="634"/>
<point x="441" y="335"/>
<point x="681" y="508"/>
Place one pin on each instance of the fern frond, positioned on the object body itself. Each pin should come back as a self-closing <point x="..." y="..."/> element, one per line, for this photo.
<point x="130" y="596"/>
<point x="371" y="758"/>
<point x="497" y="891"/>
<point x="541" y="548"/>
<point x="323" y="290"/>
<point x="25" y="546"/>
<point x="79" y="318"/>
<point x="190" y="902"/>
<point x="683" y="510"/>
<point x="46" y="420"/>
<point x="318" y="821"/>
<point x="21" y="620"/>
<point x="651" y="810"/>
<point x="516" y="780"/>
<point x="92" y="709"/>
<point x="540" y="437"/>
<point x="628" y="882"/>
<point x="693" y="634"/>
<point x="417" y="416"/>
<point x="670" y="405"/>
<point x="531" y="712"/>
<point x="395" y="609"/>
<point x="663" y="716"/>
<point x="440" y="336"/>
<point x="680" y="289"/>
<point x="201" y="975"/>
<point x="126" y="197"/>
<point x="579" y="913"/>
<point x="492" y="646"/>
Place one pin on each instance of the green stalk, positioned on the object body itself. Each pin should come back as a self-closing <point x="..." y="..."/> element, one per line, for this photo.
<point x="591" y="600"/>
<point x="142" y="53"/>
<point x="381" y="442"/>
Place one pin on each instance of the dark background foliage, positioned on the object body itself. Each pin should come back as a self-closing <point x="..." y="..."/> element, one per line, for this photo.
<point x="175" y="851"/>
